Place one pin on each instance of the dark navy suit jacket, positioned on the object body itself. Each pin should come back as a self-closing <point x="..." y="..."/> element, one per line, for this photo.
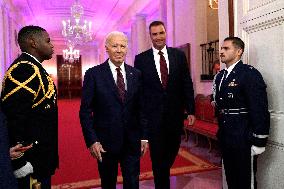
<point x="7" y="179"/>
<point x="104" y="118"/>
<point x="166" y="106"/>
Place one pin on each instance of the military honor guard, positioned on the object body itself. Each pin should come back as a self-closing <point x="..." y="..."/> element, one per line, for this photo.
<point x="241" y="102"/>
<point x="29" y="102"/>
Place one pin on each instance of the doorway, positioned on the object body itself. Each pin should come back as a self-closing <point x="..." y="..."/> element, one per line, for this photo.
<point x="69" y="78"/>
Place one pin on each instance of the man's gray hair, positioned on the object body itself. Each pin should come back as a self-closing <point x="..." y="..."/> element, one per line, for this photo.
<point x="115" y="33"/>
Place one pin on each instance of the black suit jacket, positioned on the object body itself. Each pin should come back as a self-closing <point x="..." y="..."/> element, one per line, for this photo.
<point x="104" y="118"/>
<point x="29" y="103"/>
<point x="165" y="108"/>
<point x="243" y="88"/>
<point x="7" y="179"/>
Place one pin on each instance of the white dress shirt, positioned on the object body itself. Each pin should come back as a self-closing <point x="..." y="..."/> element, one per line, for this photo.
<point x="157" y="60"/>
<point x="231" y="68"/>
<point x="114" y="72"/>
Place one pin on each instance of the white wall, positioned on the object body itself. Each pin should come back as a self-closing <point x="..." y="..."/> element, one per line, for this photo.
<point x="261" y="25"/>
<point x="10" y="23"/>
<point x="187" y="23"/>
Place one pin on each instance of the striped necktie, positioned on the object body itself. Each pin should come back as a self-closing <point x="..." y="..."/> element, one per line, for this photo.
<point x="120" y="85"/>
<point x="163" y="70"/>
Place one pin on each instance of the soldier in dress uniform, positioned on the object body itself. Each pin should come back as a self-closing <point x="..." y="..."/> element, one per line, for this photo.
<point x="29" y="102"/>
<point x="241" y="101"/>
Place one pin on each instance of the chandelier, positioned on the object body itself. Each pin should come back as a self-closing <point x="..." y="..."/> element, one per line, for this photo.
<point x="74" y="31"/>
<point x="71" y="55"/>
<point x="213" y="4"/>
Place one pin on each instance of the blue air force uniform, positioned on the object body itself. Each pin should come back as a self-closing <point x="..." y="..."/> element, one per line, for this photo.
<point x="243" y="117"/>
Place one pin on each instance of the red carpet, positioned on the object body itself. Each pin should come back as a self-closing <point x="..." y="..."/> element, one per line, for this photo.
<point x="77" y="169"/>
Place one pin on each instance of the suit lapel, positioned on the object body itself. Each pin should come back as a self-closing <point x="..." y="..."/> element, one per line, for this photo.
<point x="109" y="80"/>
<point x="232" y="74"/>
<point x="153" y="69"/>
<point x="129" y="81"/>
<point x="217" y="82"/>
<point x="171" y="67"/>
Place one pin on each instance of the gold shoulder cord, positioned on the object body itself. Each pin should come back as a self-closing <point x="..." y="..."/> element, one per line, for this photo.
<point x="49" y="92"/>
<point x="20" y="85"/>
<point x="23" y="85"/>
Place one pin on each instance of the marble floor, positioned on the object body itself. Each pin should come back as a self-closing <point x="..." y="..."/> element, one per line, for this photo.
<point x="202" y="180"/>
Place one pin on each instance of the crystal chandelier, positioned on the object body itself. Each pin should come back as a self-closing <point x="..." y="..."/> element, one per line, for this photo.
<point x="71" y="54"/>
<point x="75" y="32"/>
<point x="213" y="4"/>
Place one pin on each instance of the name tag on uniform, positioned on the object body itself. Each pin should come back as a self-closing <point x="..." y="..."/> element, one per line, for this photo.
<point x="230" y="95"/>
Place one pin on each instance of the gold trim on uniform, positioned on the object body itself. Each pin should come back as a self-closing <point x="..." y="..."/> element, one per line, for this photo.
<point x="48" y="94"/>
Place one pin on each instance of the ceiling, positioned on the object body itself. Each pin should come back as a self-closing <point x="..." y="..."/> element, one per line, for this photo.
<point x="106" y="15"/>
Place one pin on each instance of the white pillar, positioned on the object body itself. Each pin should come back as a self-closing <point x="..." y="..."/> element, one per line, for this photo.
<point x="139" y="35"/>
<point x="4" y="39"/>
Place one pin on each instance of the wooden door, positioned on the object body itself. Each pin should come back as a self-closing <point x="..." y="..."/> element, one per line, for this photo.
<point x="69" y="78"/>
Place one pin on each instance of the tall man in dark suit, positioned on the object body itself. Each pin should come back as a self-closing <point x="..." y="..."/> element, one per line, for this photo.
<point x="7" y="178"/>
<point x="241" y="101"/>
<point x="110" y="116"/>
<point x="29" y="102"/>
<point x="167" y="93"/>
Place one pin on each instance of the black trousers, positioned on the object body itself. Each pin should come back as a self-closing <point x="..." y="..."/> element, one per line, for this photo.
<point x="164" y="146"/>
<point x="130" y="168"/>
<point x="240" y="168"/>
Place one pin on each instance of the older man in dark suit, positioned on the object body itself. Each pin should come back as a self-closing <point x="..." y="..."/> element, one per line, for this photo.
<point x="110" y="115"/>
<point x="167" y="93"/>
<point x="243" y="117"/>
<point x="7" y="178"/>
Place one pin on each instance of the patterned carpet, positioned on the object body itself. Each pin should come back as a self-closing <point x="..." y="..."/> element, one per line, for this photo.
<point x="79" y="170"/>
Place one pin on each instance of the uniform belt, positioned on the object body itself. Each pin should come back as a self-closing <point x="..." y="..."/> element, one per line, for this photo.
<point x="234" y="111"/>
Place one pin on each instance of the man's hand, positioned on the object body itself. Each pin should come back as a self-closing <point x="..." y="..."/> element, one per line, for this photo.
<point x="257" y="150"/>
<point x="17" y="151"/>
<point x="144" y="147"/>
<point x="96" y="149"/>
<point x="191" y="119"/>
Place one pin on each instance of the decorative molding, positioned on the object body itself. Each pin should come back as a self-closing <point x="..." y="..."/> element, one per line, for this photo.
<point x="269" y="13"/>
<point x="275" y="145"/>
<point x="263" y="25"/>
<point x="261" y="5"/>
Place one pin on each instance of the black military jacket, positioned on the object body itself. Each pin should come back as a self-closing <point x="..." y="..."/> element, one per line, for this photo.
<point x="29" y="101"/>
<point x="241" y="103"/>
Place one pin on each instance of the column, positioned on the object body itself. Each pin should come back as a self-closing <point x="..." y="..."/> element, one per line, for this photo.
<point x="2" y="42"/>
<point x="139" y="34"/>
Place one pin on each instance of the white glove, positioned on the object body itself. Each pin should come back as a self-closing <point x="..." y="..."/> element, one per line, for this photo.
<point x="24" y="171"/>
<point x="257" y="150"/>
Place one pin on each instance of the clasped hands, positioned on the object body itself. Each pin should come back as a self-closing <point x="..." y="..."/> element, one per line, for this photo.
<point x="97" y="149"/>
